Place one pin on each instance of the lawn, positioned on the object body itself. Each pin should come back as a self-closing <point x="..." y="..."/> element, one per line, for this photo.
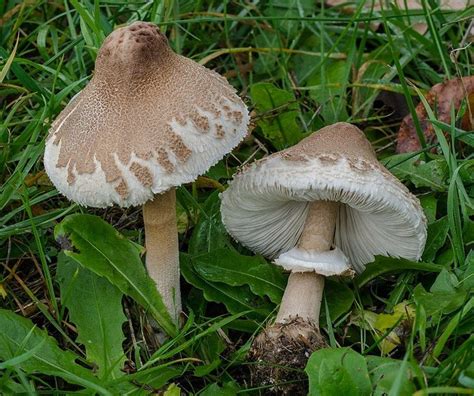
<point x="78" y="312"/>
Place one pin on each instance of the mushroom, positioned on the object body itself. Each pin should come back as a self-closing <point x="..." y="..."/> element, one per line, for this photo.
<point x="323" y="207"/>
<point x="149" y="120"/>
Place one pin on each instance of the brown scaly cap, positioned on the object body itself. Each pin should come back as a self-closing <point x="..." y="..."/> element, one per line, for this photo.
<point x="340" y="139"/>
<point x="149" y="120"/>
<point x="266" y="205"/>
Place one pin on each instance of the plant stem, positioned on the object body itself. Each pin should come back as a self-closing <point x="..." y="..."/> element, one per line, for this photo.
<point x="162" y="250"/>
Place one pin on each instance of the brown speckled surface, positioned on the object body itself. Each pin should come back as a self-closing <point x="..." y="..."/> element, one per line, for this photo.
<point x="139" y="87"/>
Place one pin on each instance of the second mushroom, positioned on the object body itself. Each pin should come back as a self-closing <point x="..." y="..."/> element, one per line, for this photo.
<point x="321" y="208"/>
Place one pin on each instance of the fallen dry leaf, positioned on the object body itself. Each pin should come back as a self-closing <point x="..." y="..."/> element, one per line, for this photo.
<point x="419" y="26"/>
<point x="409" y="5"/>
<point x="440" y="98"/>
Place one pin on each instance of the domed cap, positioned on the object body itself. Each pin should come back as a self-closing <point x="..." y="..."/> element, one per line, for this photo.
<point x="149" y="120"/>
<point x="266" y="205"/>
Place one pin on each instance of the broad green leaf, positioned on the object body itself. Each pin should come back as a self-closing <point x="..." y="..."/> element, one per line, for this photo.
<point x="445" y="282"/>
<point x="9" y="387"/>
<point x="278" y="110"/>
<point x="432" y="174"/>
<point x="100" y="248"/>
<point x="234" y="269"/>
<point x="173" y="390"/>
<point x="364" y="95"/>
<point x="429" y="204"/>
<point x="267" y="63"/>
<point x="466" y="378"/>
<point x="339" y="298"/>
<point x="210" y="350"/>
<point x="220" y="171"/>
<point x="329" y="91"/>
<point x="467" y="171"/>
<point x="20" y="336"/>
<point x="437" y="234"/>
<point x="228" y="389"/>
<point x="206" y="369"/>
<point x="383" y="265"/>
<point x="384" y="372"/>
<point x="237" y="299"/>
<point x="468" y="233"/>
<point x="467" y="278"/>
<point x="287" y="9"/>
<point x="155" y="377"/>
<point x="209" y="233"/>
<point x="439" y="302"/>
<point x="340" y="371"/>
<point x="95" y="307"/>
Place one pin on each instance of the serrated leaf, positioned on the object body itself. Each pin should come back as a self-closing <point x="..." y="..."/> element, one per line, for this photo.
<point x="383" y="265"/>
<point x="20" y="336"/>
<point x="236" y="298"/>
<point x="100" y="248"/>
<point x="279" y="111"/>
<point x="437" y="234"/>
<point x="95" y="307"/>
<point x="339" y="371"/>
<point x="432" y="174"/>
<point x="234" y="269"/>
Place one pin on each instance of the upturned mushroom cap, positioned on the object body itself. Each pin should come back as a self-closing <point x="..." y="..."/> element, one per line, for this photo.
<point x="149" y="120"/>
<point x="265" y="206"/>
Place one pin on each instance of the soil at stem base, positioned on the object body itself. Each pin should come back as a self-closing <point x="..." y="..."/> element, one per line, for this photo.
<point x="281" y="352"/>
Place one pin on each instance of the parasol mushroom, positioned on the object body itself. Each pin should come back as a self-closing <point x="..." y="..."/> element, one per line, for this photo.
<point x="323" y="207"/>
<point x="149" y="120"/>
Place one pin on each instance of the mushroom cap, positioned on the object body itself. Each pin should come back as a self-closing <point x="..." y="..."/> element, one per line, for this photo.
<point x="266" y="204"/>
<point x="149" y="120"/>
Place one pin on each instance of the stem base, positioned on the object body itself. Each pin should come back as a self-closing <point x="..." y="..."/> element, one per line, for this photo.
<point x="282" y="348"/>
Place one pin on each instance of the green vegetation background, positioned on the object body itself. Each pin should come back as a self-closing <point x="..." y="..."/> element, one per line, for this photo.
<point x="70" y="321"/>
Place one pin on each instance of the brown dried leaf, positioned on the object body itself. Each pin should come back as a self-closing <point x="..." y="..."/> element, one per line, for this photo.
<point x="419" y="26"/>
<point x="409" y="5"/>
<point x="440" y="98"/>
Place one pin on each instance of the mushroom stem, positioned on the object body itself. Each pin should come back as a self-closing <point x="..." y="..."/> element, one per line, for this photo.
<point x="295" y="334"/>
<point x="303" y="295"/>
<point x="162" y="250"/>
<point x="304" y="291"/>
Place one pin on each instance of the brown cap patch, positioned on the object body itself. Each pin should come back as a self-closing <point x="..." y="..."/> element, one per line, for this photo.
<point x="337" y="140"/>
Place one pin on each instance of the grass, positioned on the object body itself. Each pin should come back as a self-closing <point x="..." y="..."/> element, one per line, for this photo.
<point x="299" y="66"/>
